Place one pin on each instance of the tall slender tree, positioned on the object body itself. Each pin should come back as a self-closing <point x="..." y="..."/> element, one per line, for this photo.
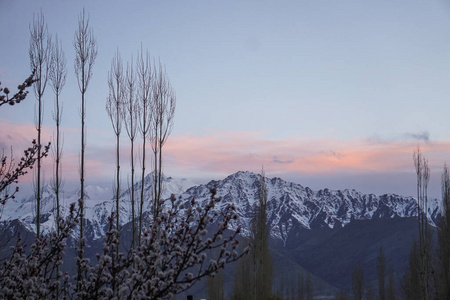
<point x="411" y="282"/>
<point x="144" y="98"/>
<point x="57" y="76"/>
<point x="300" y="288"/>
<point x="423" y="178"/>
<point x="215" y="286"/>
<point x="443" y="251"/>
<point x="390" y="291"/>
<point x="309" y="289"/>
<point x="358" y="281"/>
<point x="131" y="109"/>
<point x="256" y="269"/>
<point x="163" y="105"/>
<point x="370" y="293"/>
<point x="85" y="54"/>
<point x="263" y="267"/>
<point x="114" y="108"/>
<point x="341" y="295"/>
<point x="39" y="52"/>
<point x="381" y="271"/>
<point x="243" y="280"/>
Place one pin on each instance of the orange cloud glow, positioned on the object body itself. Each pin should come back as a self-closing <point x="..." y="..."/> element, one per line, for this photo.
<point x="227" y="152"/>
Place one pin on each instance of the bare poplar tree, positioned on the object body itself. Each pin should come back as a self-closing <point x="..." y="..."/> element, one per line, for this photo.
<point x="131" y="114"/>
<point x="423" y="177"/>
<point x="85" y="55"/>
<point x="57" y="76"/>
<point x="39" y="52"/>
<point x="164" y="103"/>
<point x="144" y="98"/>
<point x="114" y="108"/>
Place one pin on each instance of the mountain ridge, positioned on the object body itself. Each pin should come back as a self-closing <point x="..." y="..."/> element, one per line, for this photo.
<point x="291" y="207"/>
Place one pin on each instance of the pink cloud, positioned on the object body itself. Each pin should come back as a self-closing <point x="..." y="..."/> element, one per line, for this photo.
<point x="19" y="137"/>
<point x="228" y="151"/>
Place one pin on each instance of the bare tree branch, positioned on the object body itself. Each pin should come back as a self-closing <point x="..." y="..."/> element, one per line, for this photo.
<point x="39" y="52"/>
<point x="85" y="54"/>
<point x="164" y="103"/>
<point x="144" y="98"/>
<point x="131" y="115"/>
<point x="114" y="108"/>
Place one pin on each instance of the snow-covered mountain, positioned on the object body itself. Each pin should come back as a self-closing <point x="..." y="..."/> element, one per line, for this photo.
<point x="294" y="207"/>
<point x="291" y="206"/>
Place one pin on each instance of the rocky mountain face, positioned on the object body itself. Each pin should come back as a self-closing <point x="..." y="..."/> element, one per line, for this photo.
<point x="293" y="208"/>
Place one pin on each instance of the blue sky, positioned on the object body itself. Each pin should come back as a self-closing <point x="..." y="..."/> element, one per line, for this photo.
<point x="325" y="93"/>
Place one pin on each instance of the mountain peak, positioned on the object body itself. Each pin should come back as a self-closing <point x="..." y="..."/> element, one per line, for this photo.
<point x="293" y="207"/>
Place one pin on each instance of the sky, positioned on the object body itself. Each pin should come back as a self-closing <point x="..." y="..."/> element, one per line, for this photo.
<point x="334" y="94"/>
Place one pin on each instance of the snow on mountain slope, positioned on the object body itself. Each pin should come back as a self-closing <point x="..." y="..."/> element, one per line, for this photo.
<point x="25" y="209"/>
<point x="291" y="206"/>
<point x="99" y="203"/>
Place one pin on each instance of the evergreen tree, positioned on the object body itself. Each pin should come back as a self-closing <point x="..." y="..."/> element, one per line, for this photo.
<point x="411" y="279"/>
<point x="262" y="262"/>
<point x="216" y="286"/>
<point x="358" y="281"/>
<point x="341" y="295"/>
<point x="242" y="287"/>
<point x="254" y="275"/>
<point x="300" y="288"/>
<point x="443" y="252"/>
<point x="369" y="293"/>
<point x="381" y="271"/>
<point x="425" y="267"/>
<point x="309" y="289"/>
<point x="391" y="287"/>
